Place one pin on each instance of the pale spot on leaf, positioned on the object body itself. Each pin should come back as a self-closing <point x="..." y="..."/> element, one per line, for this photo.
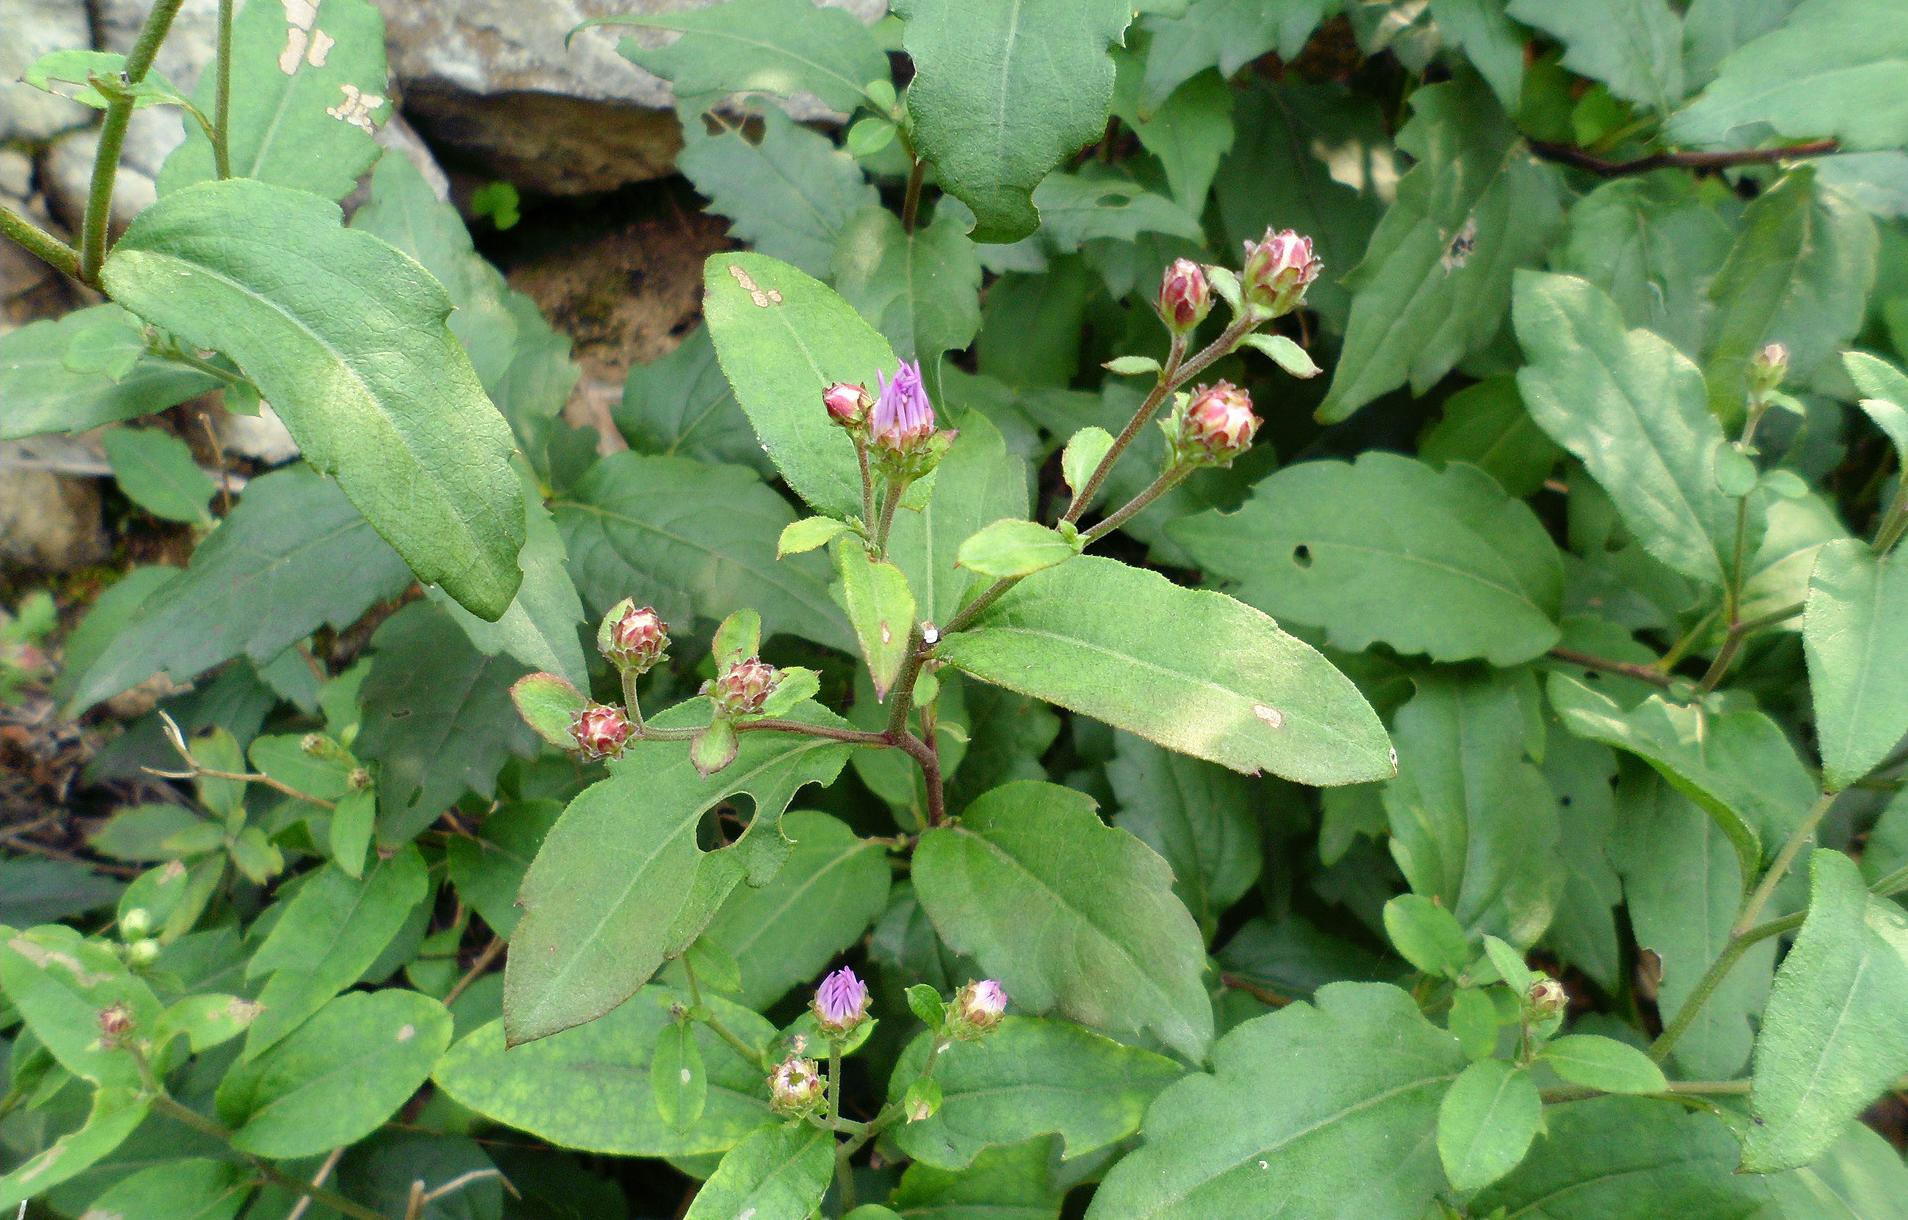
<point x="762" y="299"/>
<point x="1462" y="246"/>
<point x="356" y="108"/>
<point x="406" y="1033"/>
<point x="1271" y="715"/>
<point x="43" y="957"/>
<point x="321" y="44"/>
<point x="686" y="1075"/>
<point x="299" y="17"/>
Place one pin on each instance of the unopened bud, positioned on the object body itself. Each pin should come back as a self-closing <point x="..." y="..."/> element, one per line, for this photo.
<point x="977" y="1008"/>
<point x="115" y="1022"/>
<point x="600" y="732"/>
<point x="142" y="952"/>
<point x="906" y="443"/>
<point x="840" y="1004"/>
<point x="1278" y="269"/>
<point x="135" y="923"/>
<point x="633" y="638"/>
<point x="1546" y="998"/>
<point x="1768" y="370"/>
<point x="1216" y="426"/>
<point x="1184" y="296"/>
<point x="742" y="688"/>
<point x="359" y="779"/>
<point x="795" y="1087"/>
<point x="313" y="744"/>
<point x="847" y="404"/>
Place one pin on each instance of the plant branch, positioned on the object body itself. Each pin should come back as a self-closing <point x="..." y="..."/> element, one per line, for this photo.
<point x="1177" y="372"/>
<point x="1570" y="155"/>
<point x="930" y="762"/>
<point x="1718" y="970"/>
<point x="1629" y="669"/>
<point x="1759" y="897"/>
<point x="162" y="1103"/>
<point x="700" y="1012"/>
<point x="844" y="1172"/>
<point x="1895" y="521"/>
<point x="1168" y="479"/>
<point x="222" y="98"/>
<point x="911" y="205"/>
<point x="112" y="139"/>
<point x="38" y="242"/>
<point x="476" y="970"/>
<point x="317" y="1179"/>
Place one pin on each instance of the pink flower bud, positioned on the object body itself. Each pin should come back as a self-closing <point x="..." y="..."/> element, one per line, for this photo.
<point x="742" y="688"/>
<point x="1278" y="268"/>
<point x="795" y="1087"/>
<point x="1769" y="369"/>
<point x="841" y="1003"/>
<point x="977" y="1008"/>
<point x="1546" y="998"/>
<point x="847" y="403"/>
<point x="600" y="732"/>
<point x="1184" y="296"/>
<point x="1217" y="425"/>
<point x="115" y="1023"/>
<point x="634" y="638"/>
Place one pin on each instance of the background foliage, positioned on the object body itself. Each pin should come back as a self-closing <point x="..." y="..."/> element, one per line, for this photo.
<point x="1544" y="858"/>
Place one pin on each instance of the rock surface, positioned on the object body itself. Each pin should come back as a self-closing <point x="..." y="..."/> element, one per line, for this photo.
<point x="28" y="30"/>
<point x="49" y="522"/>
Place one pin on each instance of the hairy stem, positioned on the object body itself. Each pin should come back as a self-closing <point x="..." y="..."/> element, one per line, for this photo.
<point x="112" y="139"/>
<point x="1759" y="897"/>
<point x="38" y="242"/>
<point x="911" y="205"/>
<point x="1895" y="520"/>
<point x="1718" y="970"/>
<point x="867" y="481"/>
<point x="716" y="1027"/>
<point x="844" y="1172"/>
<point x="1169" y="478"/>
<point x="222" y="99"/>
<point x="1629" y="669"/>
<point x="163" y="1103"/>
<point x="1571" y="155"/>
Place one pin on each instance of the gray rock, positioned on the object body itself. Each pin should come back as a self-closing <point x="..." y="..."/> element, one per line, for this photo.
<point x="67" y="174"/>
<point x="494" y="79"/>
<point x="28" y="30"/>
<point x="27" y="285"/>
<point x="49" y="522"/>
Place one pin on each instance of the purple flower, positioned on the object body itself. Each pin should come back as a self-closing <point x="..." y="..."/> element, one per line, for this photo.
<point x="903" y="416"/>
<point x="841" y="1003"/>
<point x="978" y="1007"/>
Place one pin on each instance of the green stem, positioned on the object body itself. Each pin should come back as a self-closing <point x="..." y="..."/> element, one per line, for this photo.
<point x="112" y="140"/>
<point x="222" y="98"/>
<point x="1732" y="606"/>
<point x="1895" y="521"/>
<point x="701" y="1013"/>
<point x="1713" y="977"/>
<point x="1629" y="669"/>
<point x="179" y="355"/>
<point x="844" y="1172"/>
<point x="1168" y="479"/>
<point x="632" y="703"/>
<point x="1766" y="888"/>
<point x="867" y="481"/>
<point x="1891" y="884"/>
<point x="911" y="205"/>
<point x="1680" y="649"/>
<point x="163" y="1103"/>
<point x="38" y="242"/>
<point x="1782" y="615"/>
<point x="1677" y="1088"/>
<point x="889" y="503"/>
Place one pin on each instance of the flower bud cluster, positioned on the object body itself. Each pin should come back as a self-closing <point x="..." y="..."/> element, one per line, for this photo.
<point x="1212" y="427"/>
<point x="1185" y="298"/>
<point x="633" y="638"/>
<point x="897" y="425"/>
<point x="600" y="731"/>
<point x="795" y="1087"/>
<point x="743" y="687"/>
<point x="976" y="1009"/>
<point x="1279" y="267"/>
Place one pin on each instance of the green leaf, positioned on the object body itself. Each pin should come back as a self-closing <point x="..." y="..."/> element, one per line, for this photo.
<point x="1474" y="1021"/>
<point x="1635" y="411"/>
<point x="1427" y="935"/>
<point x="45" y="393"/>
<point x="40" y="891"/>
<point x="1490" y="40"/>
<point x="696" y="541"/>
<point x="682" y="406"/>
<point x="1071" y="915"/>
<point x="1739" y="766"/>
<point x="782" y="47"/>
<point x="881" y="608"/>
<point x="1683" y="885"/>
<point x="354" y="354"/>
<point x="524" y="365"/>
<point x="59" y="981"/>
<point x="1473" y="822"/>
<point x="1603" y="1063"/>
<point x="207" y="1020"/>
<point x="1388" y="549"/>
<point x="786" y="932"/>
<point x="1799" y="273"/>
<point x="549" y="705"/>
<point x="488" y="869"/>
<point x="977" y="482"/>
<point x="331" y="932"/>
<point x="1486" y="1123"/>
<point x="789" y="192"/>
<point x="1014" y="548"/>
<point x="1633" y="46"/>
<point x="1189" y="132"/>
<point x="1486" y="426"/>
<point x="1029" y="1077"/>
<point x="1011" y="1183"/>
<point x="157" y="472"/>
<point x="808" y="534"/>
<point x="921" y="289"/>
<point x="1582" y="776"/>
<point x="778" y="1173"/>
<point x="1084" y="452"/>
<point x="1855" y="630"/>
<point x="1437" y="275"/>
<point x="1226" y="34"/>
<point x="783" y="338"/>
<point x="196" y="1188"/>
<point x="1287" y="354"/>
<point x="77" y="68"/>
<point x="1225" y="684"/>
<point x="434" y="719"/>
<point x="1861" y="1175"/>
<point x="1002" y="94"/>
<point x="1834" y="68"/>
<point x="1627" y="1156"/>
<point x="115" y="1113"/>
<point x="308" y="88"/>
<point x="338" y="1077"/>
<point x="677" y="1079"/>
<point x="1885" y="397"/>
<point x="1098" y="205"/>
<point x="1312" y="1109"/>
<point x="1831" y="1039"/>
<point x="558" y="1088"/>
<point x="539" y="628"/>
<point x="1200" y="818"/>
<point x="620" y="882"/>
